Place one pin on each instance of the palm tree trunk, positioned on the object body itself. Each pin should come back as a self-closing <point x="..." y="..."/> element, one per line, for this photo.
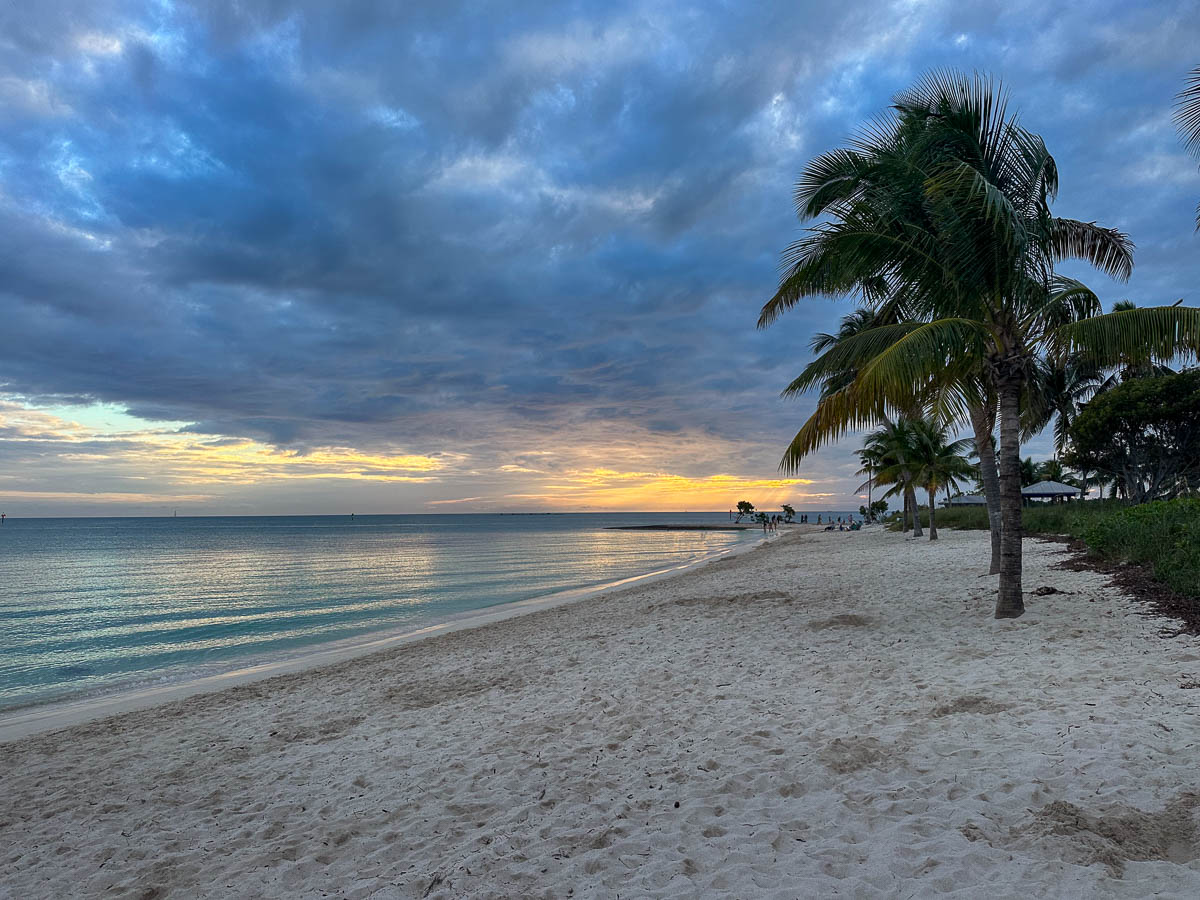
<point x="932" y="503"/>
<point x="983" y="424"/>
<point x="906" y="516"/>
<point x="1009" y="602"/>
<point x="910" y="494"/>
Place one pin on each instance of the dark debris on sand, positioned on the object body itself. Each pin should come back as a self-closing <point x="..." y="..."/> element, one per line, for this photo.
<point x="1139" y="583"/>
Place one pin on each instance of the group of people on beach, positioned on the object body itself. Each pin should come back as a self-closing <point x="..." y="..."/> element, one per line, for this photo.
<point x="771" y="523"/>
<point x="850" y="525"/>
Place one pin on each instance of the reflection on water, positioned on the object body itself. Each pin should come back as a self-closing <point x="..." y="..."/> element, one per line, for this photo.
<point x="93" y="604"/>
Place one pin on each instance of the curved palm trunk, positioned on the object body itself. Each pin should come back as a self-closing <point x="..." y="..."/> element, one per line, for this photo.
<point x="983" y="422"/>
<point x="1010" y="603"/>
<point x="906" y="516"/>
<point x="932" y="503"/>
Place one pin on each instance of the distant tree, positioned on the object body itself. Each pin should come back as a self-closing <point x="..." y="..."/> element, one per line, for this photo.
<point x="1143" y="436"/>
<point x="1052" y="470"/>
<point x="744" y="508"/>
<point x="873" y="511"/>
<point x="788" y="513"/>
<point x="939" y="462"/>
<point x="890" y="450"/>
<point x="1056" y="392"/>
<point x="1029" y="472"/>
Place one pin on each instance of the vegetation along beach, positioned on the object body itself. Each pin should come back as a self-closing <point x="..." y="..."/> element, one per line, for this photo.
<point x="417" y="482"/>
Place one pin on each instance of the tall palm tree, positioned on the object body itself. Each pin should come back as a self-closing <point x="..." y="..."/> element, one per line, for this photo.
<point x="946" y="207"/>
<point x="869" y="460"/>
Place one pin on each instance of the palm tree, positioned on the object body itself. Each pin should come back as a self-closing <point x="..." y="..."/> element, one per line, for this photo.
<point x="1187" y="117"/>
<point x="940" y="463"/>
<point x="892" y="450"/>
<point x="870" y="462"/>
<point x="1056" y="394"/>
<point x="944" y="210"/>
<point x="837" y="379"/>
<point x="1059" y="389"/>
<point x="1029" y="472"/>
<point x="835" y="373"/>
<point x="1051" y="470"/>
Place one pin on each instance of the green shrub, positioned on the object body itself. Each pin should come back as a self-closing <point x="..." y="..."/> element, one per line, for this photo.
<point x="1164" y="535"/>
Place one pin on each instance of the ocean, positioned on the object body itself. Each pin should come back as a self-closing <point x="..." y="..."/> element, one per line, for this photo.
<point x="97" y="605"/>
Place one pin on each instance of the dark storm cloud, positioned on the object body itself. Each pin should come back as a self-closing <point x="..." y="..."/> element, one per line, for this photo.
<point x="376" y="225"/>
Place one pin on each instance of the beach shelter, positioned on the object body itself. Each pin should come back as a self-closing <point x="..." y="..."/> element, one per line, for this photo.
<point x="1055" y="491"/>
<point x="965" y="500"/>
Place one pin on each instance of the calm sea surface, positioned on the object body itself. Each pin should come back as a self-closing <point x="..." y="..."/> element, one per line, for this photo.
<point x="95" y="605"/>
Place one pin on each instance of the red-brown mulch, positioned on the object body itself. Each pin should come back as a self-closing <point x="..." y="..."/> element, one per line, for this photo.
<point x="1137" y="582"/>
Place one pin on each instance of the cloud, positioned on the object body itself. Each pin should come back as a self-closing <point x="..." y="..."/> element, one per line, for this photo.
<point x="315" y="236"/>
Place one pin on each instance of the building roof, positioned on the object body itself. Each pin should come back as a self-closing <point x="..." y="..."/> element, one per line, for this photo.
<point x="968" y="500"/>
<point x="1050" y="489"/>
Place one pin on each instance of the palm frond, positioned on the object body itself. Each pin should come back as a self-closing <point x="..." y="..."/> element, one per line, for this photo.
<point x="1109" y="250"/>
<point x="1187" y="112"/>
<point x="900" y="357"/>
<point x="835" y="416"/>
<point x="1153" y="333"/>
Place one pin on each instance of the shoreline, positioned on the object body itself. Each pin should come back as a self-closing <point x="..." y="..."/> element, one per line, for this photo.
<point x="34" y="719"/>
<point x="823" y="714"/>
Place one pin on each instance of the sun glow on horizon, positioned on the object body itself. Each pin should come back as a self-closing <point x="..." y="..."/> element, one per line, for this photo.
<point x="100" y="455"/>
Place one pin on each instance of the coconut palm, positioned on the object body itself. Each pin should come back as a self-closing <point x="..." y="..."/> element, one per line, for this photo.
<point x="1053" y="470"/>
<point x="869" y="459"/>
<point x="939" y="463"/>
<point x="835" y="373"/>
<point x="835" y="379"/>
<point x="1056" y="393"/>
<point x="1060" y="387"/>
<point x="944" y="209"/>
<point x="1029" y="472"/>
<point x="875" y="457"/>
<point x="892" y="449"/>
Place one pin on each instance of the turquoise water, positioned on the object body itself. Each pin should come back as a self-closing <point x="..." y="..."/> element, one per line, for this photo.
<point x="96" y="605"/>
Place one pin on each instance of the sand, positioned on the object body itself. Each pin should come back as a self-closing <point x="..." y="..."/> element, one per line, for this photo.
<point x="830" y="715"/>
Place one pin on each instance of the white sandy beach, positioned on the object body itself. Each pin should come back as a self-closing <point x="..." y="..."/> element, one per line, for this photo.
<point x="829" y="715"/>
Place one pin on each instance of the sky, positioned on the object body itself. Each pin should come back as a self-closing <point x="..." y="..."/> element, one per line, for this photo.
<point x="272" y="257"/>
